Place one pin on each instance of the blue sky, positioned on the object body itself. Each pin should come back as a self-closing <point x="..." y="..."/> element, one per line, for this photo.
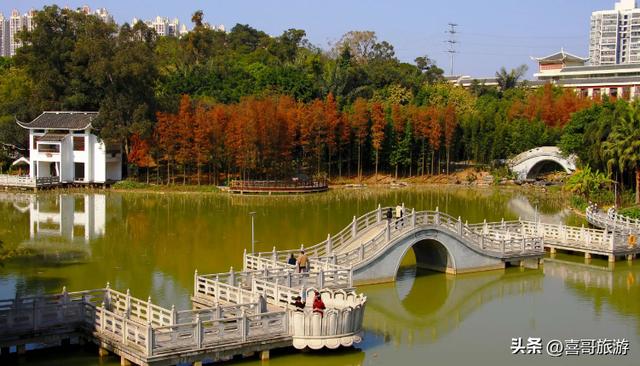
<point x="492" y="33"/>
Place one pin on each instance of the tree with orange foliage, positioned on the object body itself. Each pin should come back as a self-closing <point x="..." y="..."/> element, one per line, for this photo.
<point x="185" y="145"/>
<point x="398" y="120"/>
<point x="202" y="137"/>
<point x="378" y="123"/>
<point x="332" y="119"/>
<point x="450" y="125"/>
<point x="140" y="154"/>
<point x="166" y="135"/>
<point x="435" y="136"/>
<point x="359" y="119"/>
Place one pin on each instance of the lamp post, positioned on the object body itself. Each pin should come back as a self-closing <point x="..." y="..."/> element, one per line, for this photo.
<point x="253" y="238"/>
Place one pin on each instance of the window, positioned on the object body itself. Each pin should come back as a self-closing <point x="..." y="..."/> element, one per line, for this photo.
<point x="49" y="148"/>
<point x="79" y="171"/>
<point x="78" y="143"/>
<point x="613" y="92"/>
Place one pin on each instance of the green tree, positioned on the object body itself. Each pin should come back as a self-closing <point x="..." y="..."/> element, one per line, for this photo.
<point x="622" y="146"/>
<point x="509" y="79"/>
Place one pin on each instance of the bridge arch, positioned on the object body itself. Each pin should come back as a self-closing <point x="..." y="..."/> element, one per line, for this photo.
<point x="530" y="164"/>
<point x="434" y="248"/>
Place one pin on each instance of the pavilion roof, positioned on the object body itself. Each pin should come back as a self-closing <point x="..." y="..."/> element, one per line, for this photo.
<point x="561" y="56"/>
<point x="61" y="121"/>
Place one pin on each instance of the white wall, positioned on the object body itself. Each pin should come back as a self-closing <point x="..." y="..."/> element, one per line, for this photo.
<point x="99" y="159"/>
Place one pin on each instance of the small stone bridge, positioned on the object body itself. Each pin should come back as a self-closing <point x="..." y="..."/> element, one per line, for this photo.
<point x="611" y="220"/>
<point x="530" y="164"/>
<point x="372" y="247"/>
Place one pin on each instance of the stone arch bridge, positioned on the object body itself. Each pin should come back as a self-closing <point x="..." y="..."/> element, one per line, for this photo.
<point x="532" y="163"/>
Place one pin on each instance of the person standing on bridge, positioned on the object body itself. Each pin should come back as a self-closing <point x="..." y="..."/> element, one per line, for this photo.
<point x="303" y="262"/>
<point x="389" y="215"/>
<point x="318" y="304"/>
<point x="398" y="215"/>
<point x="292" y="260"/>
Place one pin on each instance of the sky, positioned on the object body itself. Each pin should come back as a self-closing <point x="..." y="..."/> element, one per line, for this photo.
<point x="491" y="33"/>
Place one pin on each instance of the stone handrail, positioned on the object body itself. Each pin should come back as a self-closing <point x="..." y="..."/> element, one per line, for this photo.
<point x="611" y="220"/>
<point x="218" y="292"/>
<point x="567" y="236"/>
<point x="495" y="243"/>
<point x="235" y="330"/>
<point x="337" y="241"/>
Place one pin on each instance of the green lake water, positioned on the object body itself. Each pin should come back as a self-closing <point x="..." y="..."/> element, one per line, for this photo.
<point x="152" y="243"/>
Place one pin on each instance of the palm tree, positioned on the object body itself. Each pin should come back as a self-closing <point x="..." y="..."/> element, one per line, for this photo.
<point x="509" y="79"/>
<point x="622" y="147"/>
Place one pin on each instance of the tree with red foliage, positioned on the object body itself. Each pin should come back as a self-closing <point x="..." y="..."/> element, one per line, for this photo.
<point x="332" y="119"/>
<point x="359" y="119"/>
<point x="140" y="154"/>
<point x="378" y="123"/>
<point x="450" y="125"/>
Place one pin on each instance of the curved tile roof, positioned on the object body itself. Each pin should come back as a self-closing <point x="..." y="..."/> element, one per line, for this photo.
<point x="61" y="121"/>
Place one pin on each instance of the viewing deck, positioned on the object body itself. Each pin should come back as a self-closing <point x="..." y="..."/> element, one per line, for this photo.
<point x="26" y="182"/>
<point x="277" y="187"/>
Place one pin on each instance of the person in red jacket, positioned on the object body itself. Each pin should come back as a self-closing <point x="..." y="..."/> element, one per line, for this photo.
<point x="318" y="304"/>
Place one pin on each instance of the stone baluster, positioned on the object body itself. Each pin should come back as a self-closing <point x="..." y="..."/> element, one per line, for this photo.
<point x="102" y="316"/>
<point x="522" y="249"/>
<point x="274" y="256"/>
<point x="195" y="282"/>
<point x="361" y="252"/>
<point x="354" y="228"/>
<point x="334" y="257"/>
<point x="379" y="214"/>
<point x="413" y="218"/>
<point x="198" y="331"/>
<point x="387" y="231"/>
<point x="232" y="277"/>
<point x="149" y="340"/>
<point x="459" y="225"/>
<point x="127" y="309"/>
<point x="244" y="260"/>
<point x="437" y="216"/>
<point x="107" y="296"/>
<point x="174" y="315"/>
<point x="485" y="227"/>
<point x="65" y="295"/>
<point x="289" y="282"/>
<point x="329" y="245"/>
<point x="321" y="279"/>
<point x="502" y="246"/>
<point x="502" y="225"/>
<point x="243" y="326"/>
<point x="482" y="241"/>
<point x="149" y="310"/>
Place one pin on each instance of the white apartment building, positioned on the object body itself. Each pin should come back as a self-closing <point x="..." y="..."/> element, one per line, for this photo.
<point x="17" y="23"/>
<point x="163" y="26"/>
<point x="61" y="145"/>
<point x="4" y="36"/>
<point x="615" y="35"/>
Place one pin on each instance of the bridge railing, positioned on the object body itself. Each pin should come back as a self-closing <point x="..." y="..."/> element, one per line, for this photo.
<point x="235" y="330"/>
<point x="497" y="242"/>
<point x="140" y="310"/>
<point x="611" y="220"/>
<point x="219" y="292"/>
<point x="35" y="313"/>
<point x="333" y="242"/>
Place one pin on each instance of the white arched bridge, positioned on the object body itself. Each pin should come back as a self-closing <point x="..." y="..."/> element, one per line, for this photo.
<point x="372" y="247"/>
<point x="530" y="164"/>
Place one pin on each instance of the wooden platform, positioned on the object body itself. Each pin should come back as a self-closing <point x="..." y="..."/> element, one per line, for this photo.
<point x="269" y="187"/>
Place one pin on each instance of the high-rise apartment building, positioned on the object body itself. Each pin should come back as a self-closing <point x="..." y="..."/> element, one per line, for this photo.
<point x="4" y="36"/>
<point x="17" y="23"/>
<point x="172" y="28"/>
<point x="615" y="35"/>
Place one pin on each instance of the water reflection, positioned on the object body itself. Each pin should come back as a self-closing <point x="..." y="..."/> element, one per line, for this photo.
<point x="437" y="303"/>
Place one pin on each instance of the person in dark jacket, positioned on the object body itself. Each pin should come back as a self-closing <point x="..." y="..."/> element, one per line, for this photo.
<point x="299" y="304"/>
<point x="292" y="260"/>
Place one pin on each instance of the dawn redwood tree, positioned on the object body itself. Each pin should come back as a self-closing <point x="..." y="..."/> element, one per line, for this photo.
<point x="378" y="124"/>
<point x="450" y="125"/>
<point x="359" y="119"/>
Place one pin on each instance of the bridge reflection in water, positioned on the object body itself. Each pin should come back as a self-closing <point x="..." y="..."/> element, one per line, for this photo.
<point x="428" y="305"/>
